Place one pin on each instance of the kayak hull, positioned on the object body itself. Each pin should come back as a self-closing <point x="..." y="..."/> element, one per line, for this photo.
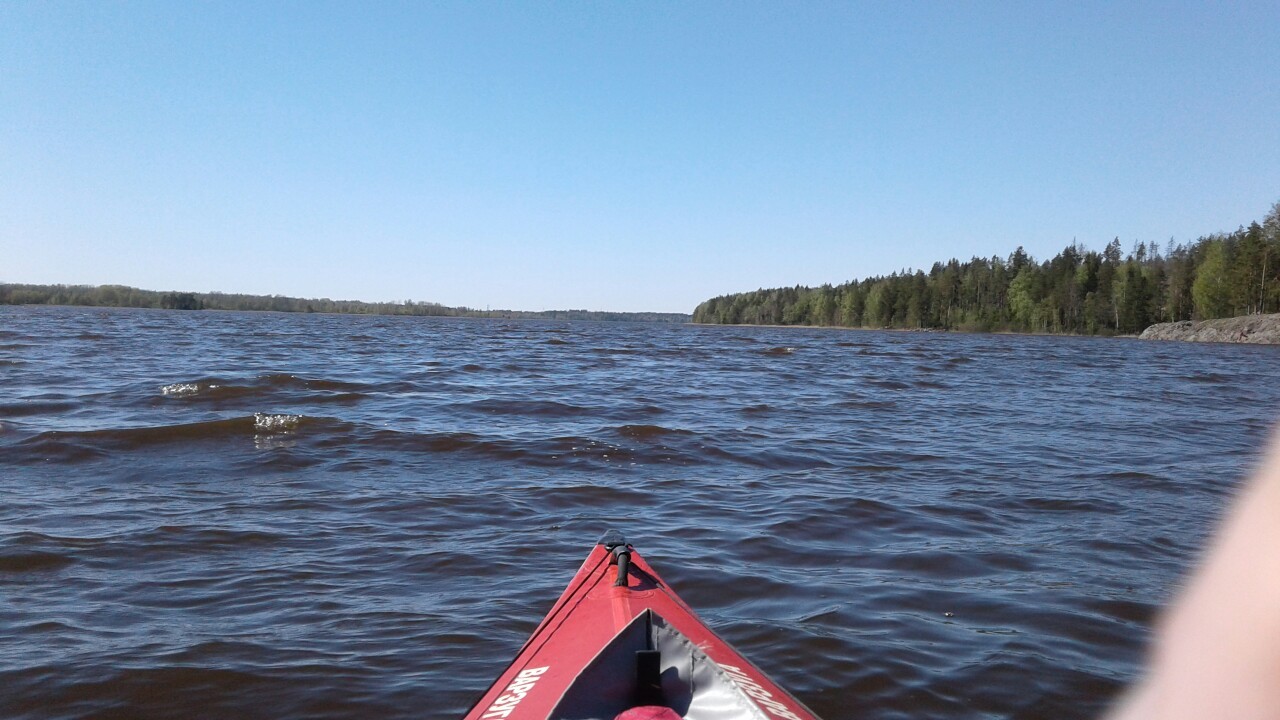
<point x="619" y="643"/>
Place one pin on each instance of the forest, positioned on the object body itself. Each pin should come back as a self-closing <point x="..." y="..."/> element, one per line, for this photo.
<point x="122" y="296"/>
<point x="1077" y="291"/>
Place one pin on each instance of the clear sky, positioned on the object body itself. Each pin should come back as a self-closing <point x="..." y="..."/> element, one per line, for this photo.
<point x="610" y="155"/>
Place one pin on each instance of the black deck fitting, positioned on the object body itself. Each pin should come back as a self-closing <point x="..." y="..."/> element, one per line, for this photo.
<point x="615" y="543"/>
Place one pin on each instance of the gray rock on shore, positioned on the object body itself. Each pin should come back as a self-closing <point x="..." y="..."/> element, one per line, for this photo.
<point x="1246" y="329"/>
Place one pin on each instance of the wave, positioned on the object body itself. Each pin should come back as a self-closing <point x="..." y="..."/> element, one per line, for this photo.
<point x="35" y="407"/>
<point x="532" y="408"/>
<point x="765" y="458"/>
<point x="446" y="442"/>
<point x="214" y="388"/>
<point x="204" y="538"/>
<point x="275" y="423"/>
<point x="79" y="445"/>
<point x="148" y="435"/>
<point x="20" y="562"/>
<point x="28" y="539"/>
<point x="1134" y="479"/>
<point x="629" y="443"/>
<point x="648" y="432"/>
<point x="1052" y="504"/>
<point x="1209" y="378"/>
<point x="181" y="389"/>
<point x="640" y="444"/>
<point x="858" y="404"/>
<point x="1129" y="611"/>
<point x="553" y="452"/>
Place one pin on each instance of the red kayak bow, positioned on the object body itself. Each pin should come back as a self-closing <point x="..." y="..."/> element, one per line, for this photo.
<point x="620" y="645"/>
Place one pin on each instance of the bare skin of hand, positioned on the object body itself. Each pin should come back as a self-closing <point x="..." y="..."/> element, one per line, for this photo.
<point x="1217" y="649"/>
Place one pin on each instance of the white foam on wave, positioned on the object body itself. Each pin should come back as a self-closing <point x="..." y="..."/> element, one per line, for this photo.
<point x="275" y="423"/>
<point x="180" y="389"/>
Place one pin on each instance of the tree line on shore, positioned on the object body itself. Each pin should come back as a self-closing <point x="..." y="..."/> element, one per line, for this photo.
<point x="122" y="296"/>
<point x="1077" y="291"/>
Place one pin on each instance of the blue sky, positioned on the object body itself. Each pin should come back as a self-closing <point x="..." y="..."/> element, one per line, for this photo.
<point x="617" y="156"/>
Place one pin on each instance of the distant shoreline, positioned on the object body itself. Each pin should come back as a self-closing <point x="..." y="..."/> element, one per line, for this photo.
<point x="925" y="331"/>
<point x="1246" y="329"/>
<point x="122" y="296"/>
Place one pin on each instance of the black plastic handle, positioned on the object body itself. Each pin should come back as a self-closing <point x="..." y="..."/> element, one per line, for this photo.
<point x="615" y="543"/>
<point x="624" y="565"/>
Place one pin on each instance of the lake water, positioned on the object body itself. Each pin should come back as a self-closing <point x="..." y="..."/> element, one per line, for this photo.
<point x="283" y="516"/>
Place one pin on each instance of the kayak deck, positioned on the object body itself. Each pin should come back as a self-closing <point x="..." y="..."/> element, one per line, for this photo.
<point x="620" y="644"/>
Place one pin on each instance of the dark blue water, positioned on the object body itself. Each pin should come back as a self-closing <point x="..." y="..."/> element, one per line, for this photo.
<point x="270" y="515"/>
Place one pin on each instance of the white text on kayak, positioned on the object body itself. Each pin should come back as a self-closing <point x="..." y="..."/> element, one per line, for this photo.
<point x="515" y="692"/>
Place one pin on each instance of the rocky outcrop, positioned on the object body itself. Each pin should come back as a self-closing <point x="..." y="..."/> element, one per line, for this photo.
<point x="1247" y="329"/>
